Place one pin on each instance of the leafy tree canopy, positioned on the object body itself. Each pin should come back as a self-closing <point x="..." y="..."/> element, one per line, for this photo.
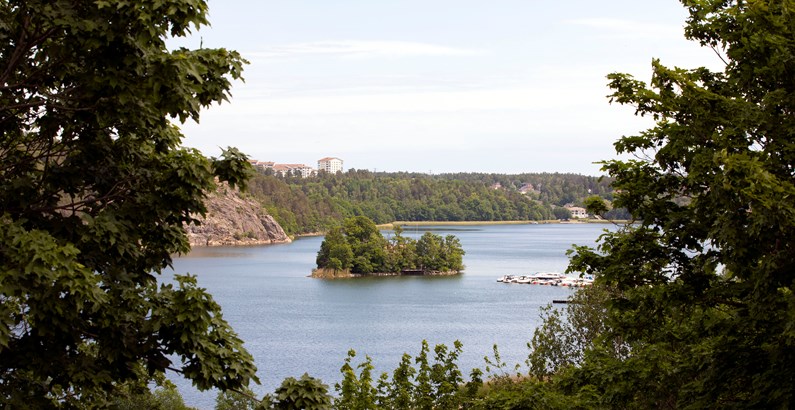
<point x="702" y="288"/>
<point x="359" y="247"/>
<point x="94" y="192"/>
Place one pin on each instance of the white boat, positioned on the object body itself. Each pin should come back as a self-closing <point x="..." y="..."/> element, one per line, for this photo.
<point x="542" y="278"/>
<point x="575" y="282"/>
<point x="568" y="282"/>
<point x="548" y="276"/>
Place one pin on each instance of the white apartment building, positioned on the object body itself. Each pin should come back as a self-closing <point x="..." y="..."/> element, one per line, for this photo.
<point x="329" y="164"/>
<point x="577" y="212"/>
<point x="292" y="169"/>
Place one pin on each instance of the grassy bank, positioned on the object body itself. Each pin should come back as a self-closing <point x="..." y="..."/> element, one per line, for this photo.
<point x="474" y="223"/>
<point x="471" y="223"/>
<point x="457" y="223"/>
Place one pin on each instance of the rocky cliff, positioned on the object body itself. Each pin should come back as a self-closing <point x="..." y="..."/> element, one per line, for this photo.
<point x="234" y="220"/>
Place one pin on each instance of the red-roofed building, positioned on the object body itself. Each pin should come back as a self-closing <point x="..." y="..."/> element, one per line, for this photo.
<point x="263" y="165"/>
<point x="287" y="169"/>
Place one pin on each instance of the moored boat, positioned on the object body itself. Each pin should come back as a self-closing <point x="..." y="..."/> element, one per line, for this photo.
<point x="553" y="276"/>
<point x="548" y="279"/>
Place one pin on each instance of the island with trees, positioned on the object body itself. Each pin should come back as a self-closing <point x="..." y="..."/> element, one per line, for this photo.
<point x="357" y="248"/>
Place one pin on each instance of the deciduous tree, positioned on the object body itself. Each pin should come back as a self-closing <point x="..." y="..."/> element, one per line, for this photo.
<point x="94" y="192"/>
<point x="702" y="288"/>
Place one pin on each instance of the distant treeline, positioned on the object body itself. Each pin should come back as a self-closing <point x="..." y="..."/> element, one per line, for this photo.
<point x="314" y="204"/>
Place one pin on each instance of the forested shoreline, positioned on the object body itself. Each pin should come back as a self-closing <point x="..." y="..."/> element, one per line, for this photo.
<point x="315" y="204"/>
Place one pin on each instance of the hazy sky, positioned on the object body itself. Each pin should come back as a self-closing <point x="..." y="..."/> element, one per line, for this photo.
<point x="436" y="86"/>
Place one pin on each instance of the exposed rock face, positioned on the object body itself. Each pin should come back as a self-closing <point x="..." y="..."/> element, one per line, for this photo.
<point x="233" y="220"/>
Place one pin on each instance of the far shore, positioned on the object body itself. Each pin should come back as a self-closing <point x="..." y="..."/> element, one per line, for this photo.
<point x="391" y="225"/>
<point x="470" y="223"/>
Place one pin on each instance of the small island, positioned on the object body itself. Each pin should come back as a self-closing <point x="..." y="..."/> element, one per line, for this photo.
<point x="358" y="249"/>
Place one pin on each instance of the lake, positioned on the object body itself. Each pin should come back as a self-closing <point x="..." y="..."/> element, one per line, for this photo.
<point x="293" y="324"/>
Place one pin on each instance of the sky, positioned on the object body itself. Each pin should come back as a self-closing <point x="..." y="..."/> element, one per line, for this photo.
<point x="436" y="86"/>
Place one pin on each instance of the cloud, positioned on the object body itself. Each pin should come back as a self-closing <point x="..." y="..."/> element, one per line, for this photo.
<point x="361" y="49"/>
<point x="519" y="98"/>
<point x="629" y="27"/>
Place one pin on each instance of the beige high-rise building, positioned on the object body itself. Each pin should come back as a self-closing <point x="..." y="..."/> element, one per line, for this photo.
<point x="329" y="164"/>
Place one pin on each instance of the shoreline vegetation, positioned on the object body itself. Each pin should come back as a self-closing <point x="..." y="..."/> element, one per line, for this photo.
<point x="326" y="273"/>
<point x="392" y="225"/>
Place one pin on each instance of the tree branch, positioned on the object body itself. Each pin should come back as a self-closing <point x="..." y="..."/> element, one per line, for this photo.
<point x="718" y="54"/>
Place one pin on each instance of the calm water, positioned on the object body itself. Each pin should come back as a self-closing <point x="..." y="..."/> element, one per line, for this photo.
<point x="294" y="324"/>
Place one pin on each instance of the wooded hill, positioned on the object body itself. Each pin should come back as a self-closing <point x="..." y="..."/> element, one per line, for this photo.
<point x="313" y="204"/>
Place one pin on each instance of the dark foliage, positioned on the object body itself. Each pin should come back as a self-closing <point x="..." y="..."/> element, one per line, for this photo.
<point x="94" y="193"/>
